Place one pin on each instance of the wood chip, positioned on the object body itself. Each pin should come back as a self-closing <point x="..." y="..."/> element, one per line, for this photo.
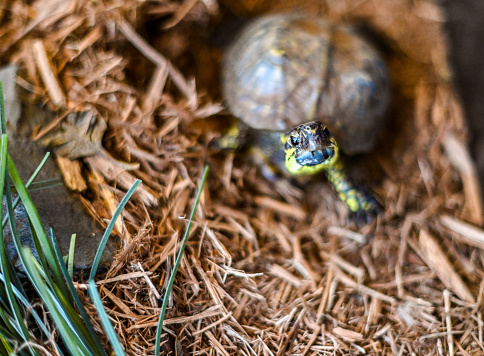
<point x="216" y="344"/>
<point x="88" y="41"/>
<point x="180" y="13"/>
<point x="461" y="159"/>
<point x="374" y="313"/>
<point x="119" y="303"/>
<point x="50" y="79"/>
<point x="155" y="89"/>
<point x="282" y="273"/>
<point x="468" y="233"/>
<point x="359" y="273"/>
<point x="438" y="262"/>
<point x="281" y="208"/>
<point x="186" y="87"/>
<point x="123" y="178"/>
<point x="210" y="312"/>
<point x="348" y="234"/>
<point x="362" y="288"/>
<point x="448" y="322"/>
<point x="376" y="298"/>
<point x="348" y="335"/>
<point x="71" y="171"/>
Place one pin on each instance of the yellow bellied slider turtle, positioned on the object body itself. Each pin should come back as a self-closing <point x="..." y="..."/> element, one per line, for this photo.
<point x="282" y="75"/>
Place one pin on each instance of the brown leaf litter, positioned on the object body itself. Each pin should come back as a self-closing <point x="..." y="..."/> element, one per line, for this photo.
<point x="267" y="271"/>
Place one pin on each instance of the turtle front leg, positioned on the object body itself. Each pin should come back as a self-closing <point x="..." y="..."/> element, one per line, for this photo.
<point x="362" y="205"/>
<point x="272" y="173"/>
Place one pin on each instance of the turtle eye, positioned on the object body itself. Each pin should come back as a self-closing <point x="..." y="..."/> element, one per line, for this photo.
<point x="294" y="140"/>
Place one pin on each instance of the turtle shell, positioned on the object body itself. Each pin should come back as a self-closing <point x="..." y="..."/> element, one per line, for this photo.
<point x="284" y="70"/>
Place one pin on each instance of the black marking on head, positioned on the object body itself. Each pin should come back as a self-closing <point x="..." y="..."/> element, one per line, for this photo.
<point x="309" y="135"/>
<point x="294" y="140"/>
<point x="312" y="143"/>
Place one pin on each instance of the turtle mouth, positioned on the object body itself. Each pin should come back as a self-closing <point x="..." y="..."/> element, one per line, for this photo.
<point x="313" y="158"/>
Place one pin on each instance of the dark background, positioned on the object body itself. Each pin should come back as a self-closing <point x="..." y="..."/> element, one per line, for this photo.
<point x="465" y="31"/>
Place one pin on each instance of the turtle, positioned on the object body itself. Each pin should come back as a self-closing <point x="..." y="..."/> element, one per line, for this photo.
<point x="302" y="88"/>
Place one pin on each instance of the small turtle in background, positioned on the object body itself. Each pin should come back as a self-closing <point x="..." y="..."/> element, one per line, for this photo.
<point x="293" y="79"/>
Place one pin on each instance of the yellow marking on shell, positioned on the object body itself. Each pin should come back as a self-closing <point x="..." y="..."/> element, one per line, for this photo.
<point x="230" y="140"/>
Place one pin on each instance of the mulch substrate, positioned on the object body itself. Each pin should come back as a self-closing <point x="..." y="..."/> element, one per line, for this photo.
<point x="267" y="271"/>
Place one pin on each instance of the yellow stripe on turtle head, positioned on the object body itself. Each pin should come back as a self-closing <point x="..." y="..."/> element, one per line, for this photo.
<point x="295" y="168"/>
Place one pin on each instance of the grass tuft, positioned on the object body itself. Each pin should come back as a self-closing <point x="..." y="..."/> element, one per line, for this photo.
<point x="23" y="331"/>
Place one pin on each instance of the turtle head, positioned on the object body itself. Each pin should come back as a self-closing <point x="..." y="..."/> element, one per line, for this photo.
<point x="309" y="148"/>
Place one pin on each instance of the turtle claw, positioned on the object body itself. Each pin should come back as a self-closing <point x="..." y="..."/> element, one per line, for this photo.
<point x="369" y="209"/>
<point x="364" y="217"/>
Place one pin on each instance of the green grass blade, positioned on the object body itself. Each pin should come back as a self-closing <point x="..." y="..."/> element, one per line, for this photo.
<point x="3" y="124"/>
<point x="37" y="170"/>
<point x="5" y="346"/>
<point x="3" y="182"/>
<point x="5" y="263"/>
<point x="62" y="315"/>
<point x="103" y="316"/>
<point x="27" y="304"/>
<point x="44" y="184"/>
<point x="110" y="227"/>
<point x="14" y="329"/>
<point x="70" y="260"/>
<point x="177" y="262"/>
<point x="7" y="273"/>
<point x="29" y="183"/>
<point x="9" y="328"/>
<point x="37" y="227"/>
<point x="80" y="307"/>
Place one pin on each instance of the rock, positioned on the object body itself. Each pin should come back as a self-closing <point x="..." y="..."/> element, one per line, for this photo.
<point x="57" y="207"/>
